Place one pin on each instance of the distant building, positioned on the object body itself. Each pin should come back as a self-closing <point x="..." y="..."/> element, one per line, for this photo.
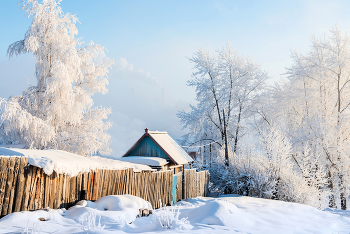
<point x="159" y="151"/>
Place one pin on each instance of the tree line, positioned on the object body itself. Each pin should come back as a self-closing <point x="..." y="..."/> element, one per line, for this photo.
<point x="288" y="141"/>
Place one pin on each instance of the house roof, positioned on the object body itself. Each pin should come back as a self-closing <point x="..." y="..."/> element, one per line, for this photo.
<point x="167" y="144"/>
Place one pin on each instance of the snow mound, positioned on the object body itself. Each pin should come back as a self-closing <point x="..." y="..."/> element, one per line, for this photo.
<point x="217" y="212"/>
<point x="63" y="162"/>
<point x="121" y="208"/>
<point x="120" y="203"/>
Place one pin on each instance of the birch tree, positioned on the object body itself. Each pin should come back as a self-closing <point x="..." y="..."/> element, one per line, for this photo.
<point x="58" y="112"/>
<point x="226" y="86"/>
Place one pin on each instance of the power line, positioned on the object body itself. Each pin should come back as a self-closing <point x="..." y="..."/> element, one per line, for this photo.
<point x="199" y="145"/>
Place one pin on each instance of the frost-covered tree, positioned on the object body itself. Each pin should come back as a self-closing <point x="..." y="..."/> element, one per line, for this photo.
<point x="227" y="85"/>
<point x="313" y="108"/>
<point x="58" y="112"/>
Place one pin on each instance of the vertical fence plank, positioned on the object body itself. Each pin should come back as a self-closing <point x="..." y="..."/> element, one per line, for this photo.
<point x="40" y="191"/>
<point x="28" y="173"/>
<point x="14" y="184"/>
<point x="52" y="190"/>
<point x="4" y="164"/>
<point x="96" y="185"/>
<point x="67" y="200"/>
<point x="8" y="186"/>
<point x="33" y="188"/>
<point x="46" y="190"/>
<point x="72" y="182"/>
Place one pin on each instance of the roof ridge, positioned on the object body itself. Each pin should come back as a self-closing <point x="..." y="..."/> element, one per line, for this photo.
<point x="157" y="132"/>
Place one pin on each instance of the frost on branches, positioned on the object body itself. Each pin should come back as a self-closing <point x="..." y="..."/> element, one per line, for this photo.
<point x="227" y="86"/>
<point x="290" y="142"/>
<point x="312" y="108"/>
<point x="58" y="112"/>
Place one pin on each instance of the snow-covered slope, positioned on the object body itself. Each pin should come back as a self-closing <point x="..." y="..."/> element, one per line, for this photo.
<point x="226" y="214"/>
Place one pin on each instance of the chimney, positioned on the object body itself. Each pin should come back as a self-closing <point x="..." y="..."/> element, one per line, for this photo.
<point x="146" y="130"/>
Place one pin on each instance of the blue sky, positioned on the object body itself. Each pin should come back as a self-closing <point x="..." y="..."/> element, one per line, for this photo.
<point x="151" y="41"/>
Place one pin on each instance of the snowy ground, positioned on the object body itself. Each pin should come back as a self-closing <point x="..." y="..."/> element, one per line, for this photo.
<point x="226" y="214"/>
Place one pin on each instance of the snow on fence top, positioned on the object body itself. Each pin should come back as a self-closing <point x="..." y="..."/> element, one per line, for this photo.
<point x="63" y="162"/>
<point x="150" y="161"/>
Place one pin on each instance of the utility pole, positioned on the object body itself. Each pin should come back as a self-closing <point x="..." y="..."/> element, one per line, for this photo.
<point x="225" y="135"/>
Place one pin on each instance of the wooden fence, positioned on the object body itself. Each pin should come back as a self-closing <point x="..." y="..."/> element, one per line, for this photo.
<point x="196" y="183"/>
<point x="24" y="187"/>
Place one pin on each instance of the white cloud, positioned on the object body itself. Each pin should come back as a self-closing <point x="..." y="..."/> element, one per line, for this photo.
<point x="123" y="69"/>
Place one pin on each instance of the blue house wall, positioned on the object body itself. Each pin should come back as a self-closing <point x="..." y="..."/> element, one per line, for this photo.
<point x="147" y="147"/>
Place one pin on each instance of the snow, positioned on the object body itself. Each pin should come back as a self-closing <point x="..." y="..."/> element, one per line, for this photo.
<point x="225" y="214"/>
<point x="63" y="162"/>
<point x="150" y="161"/>
<point x="13" y="146"/>
<point x="175" y="151"/>
<point x="123" y="208"/>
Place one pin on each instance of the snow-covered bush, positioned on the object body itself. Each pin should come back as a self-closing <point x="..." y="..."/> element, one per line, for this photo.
<point x="89" y="222"/>
<point x="168" y="218"/>
<point x="34" y="229"/>
<point x="272" y="172"/>
<point x="246" y="175"/>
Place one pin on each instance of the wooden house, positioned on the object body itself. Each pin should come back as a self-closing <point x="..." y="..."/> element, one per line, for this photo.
<point x="158" y="145"/>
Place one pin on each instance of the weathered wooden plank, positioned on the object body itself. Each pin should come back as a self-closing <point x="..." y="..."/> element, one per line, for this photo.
<point x="114" y="182"/>
<point x="42" y="190"/>
<point x="78" y="196"/>
<point x="73" y="182"/>
<point x="67" y="195"/>
<point x="52" y="190"/>
<point x="8" y="186"/>
<point x="103" y="183"/>
<point x="57" y="187"/>
<point x="20" y="184"/>
<point x="28" y="173"/>
<point x="33" y="188"/>
<point x="91" y="181"/>
<point x="14" y="184"/>
<point x="37" y="189"/>
<point x="84" y="185"/>
<point x="46" y="198"/>
<point x="109" y="183"/>
<point x="4" y="164"/>
<point x="64" y="192"/>
<point x="60" y="200"/>
<point x="96" y="186"/>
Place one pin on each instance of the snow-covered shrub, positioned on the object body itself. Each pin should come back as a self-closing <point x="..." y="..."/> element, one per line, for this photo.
<point x="273" y="172"/>
<point x="89" y="222"/>
<point x="168" y="218"/>
<point x="34" y="229"/>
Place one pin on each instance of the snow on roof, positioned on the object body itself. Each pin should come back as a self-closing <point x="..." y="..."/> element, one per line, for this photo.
<point x="150" y="161"/>
<point x="178" y="154"/>
<point x="13" y="146"/>
<point x="63" y="162"/>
